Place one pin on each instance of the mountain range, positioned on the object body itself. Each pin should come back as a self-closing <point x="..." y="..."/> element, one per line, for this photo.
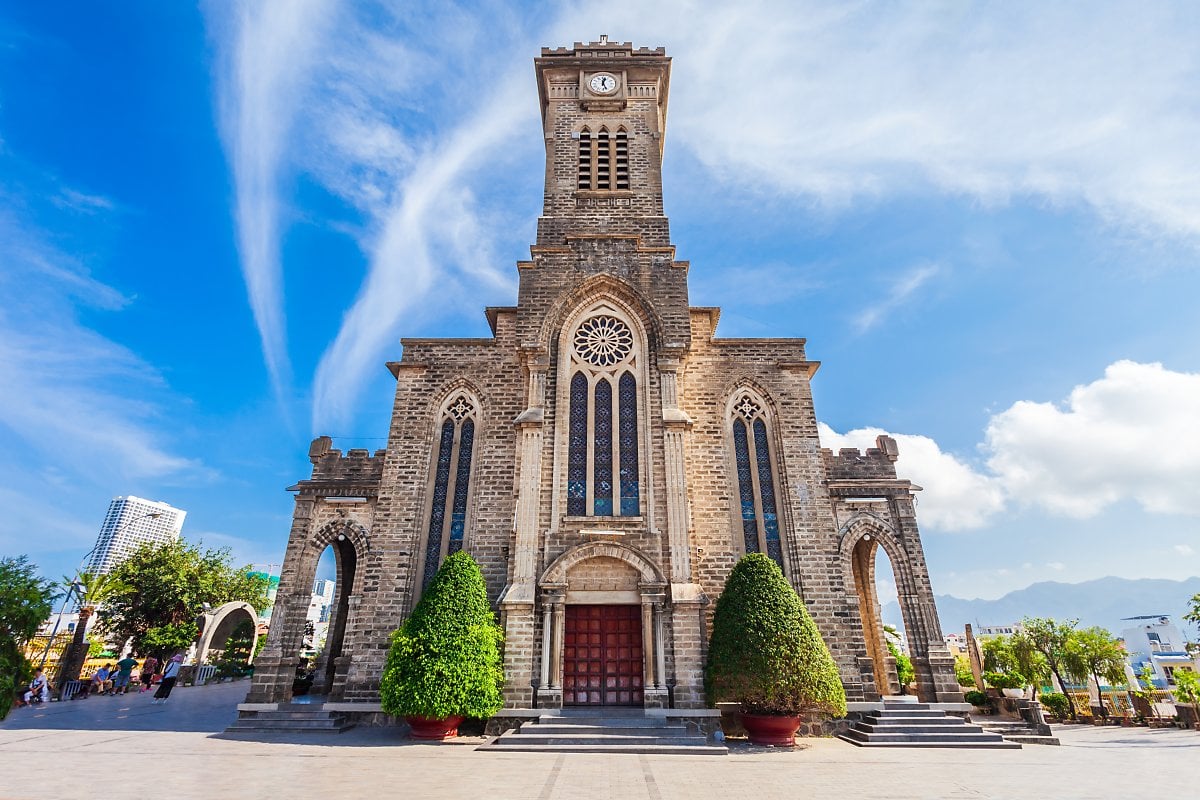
<point x="1104" y="602"/>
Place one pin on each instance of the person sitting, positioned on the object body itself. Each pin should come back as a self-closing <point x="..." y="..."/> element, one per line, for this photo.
<point x="39" y="689"/>
<point x="100" y="679"/>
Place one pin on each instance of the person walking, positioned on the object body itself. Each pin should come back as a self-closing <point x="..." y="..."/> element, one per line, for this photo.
<point x="170" y="675"/>
<point x="147" y="675"/>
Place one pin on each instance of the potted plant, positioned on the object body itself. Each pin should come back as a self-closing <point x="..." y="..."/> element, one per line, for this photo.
<point x="444" y="663"/>
<point x="1010" y="684"/>
<point x="767" y="656"/>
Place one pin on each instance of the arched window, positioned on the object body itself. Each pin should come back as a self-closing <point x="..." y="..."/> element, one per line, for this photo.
<point x="451" y="484"/>
<point x="602" y="449"/>
<point x="756" y="479"/>
<point x="603" y="159"/>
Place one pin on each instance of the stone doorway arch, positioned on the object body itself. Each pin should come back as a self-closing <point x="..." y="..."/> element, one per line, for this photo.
<point x="597" y="575"/>
<point x="221" y="623"/>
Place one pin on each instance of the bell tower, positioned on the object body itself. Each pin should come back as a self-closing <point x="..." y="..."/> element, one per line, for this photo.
<point x="604" y="108"/>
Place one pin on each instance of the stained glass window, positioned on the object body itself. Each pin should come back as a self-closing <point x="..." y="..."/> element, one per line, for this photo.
<point x="766" y="487"/>
<point x="741" y="451"/>
<point x="577" y="467"/>
<point x="602" y="469"/>
<point x="627" y="391"/>
<point x="458" y="517"/>
<point x="756" y="479"/>
<point x="437" y="516"/>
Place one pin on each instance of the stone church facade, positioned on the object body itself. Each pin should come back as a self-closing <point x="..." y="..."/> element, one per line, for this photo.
<point x="604" y="456"/>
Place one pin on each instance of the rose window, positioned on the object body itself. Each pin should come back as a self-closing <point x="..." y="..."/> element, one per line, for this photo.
<point x="603" y="341"/>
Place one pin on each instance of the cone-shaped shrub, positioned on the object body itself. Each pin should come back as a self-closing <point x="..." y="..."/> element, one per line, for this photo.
<point x="766" y="652"/>
<point x="445" y="660"/>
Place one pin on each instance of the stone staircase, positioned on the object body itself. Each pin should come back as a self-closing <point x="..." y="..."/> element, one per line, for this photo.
<point x="919" y="725"/>
<point x="604" y="733"/>
<point x="1017" y="731"/>
<point x="295" y="718"/>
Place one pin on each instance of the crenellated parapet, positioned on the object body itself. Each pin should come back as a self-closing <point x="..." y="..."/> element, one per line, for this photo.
<point x="851" y="464"/>
<point x="357" y="469"/>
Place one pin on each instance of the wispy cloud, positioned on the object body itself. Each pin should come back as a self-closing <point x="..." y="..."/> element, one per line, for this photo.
<point x="900" y="293"/>
<point x="814" y="105"/>
<point x="266" y="59"/>
<point x="69" y="391"/>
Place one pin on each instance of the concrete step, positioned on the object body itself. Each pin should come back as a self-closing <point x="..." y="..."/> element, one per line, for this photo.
<point x="913" y="728"/>
<point x="943" y="720"/>
<point x="1000" y="745"/>
<point x="600" y="738"/>
<point x="866" y="736"/>
<point x="546" y="729"/>
<point x="909" y="713"/>
<point x="641" y="749"/>
<point x="605" y="722"/>
<point x="279" y="726"/>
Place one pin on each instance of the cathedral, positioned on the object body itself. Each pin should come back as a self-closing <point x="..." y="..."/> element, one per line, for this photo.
<point x="604" y="456"/>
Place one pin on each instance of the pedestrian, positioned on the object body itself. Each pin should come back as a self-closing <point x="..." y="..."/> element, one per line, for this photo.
<point x="170" y="675"/>
<point x="124" y="673"/>
<point x="147" y="676"/>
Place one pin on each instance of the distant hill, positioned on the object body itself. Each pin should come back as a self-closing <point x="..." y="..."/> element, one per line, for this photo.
<point x="1104" y="602"/>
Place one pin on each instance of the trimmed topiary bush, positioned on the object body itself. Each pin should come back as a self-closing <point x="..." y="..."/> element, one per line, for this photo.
<point x="976" y="698"/>
<point x="766" y="653"/>
<point x="1056" y="703"/>
<point x="1004" y="680"/>
<point x="445" y="660"/>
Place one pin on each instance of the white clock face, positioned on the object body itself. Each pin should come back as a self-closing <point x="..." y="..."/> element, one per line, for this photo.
<point x="603" y="83"/>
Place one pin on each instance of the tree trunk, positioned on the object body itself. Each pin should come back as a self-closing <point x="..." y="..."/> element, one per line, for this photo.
<point x="76" y="653"/>
<point x="1066" y="691"/>
<point x="1100" y="695"/>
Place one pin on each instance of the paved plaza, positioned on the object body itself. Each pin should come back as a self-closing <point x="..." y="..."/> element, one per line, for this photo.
<point x="124" y="746"/>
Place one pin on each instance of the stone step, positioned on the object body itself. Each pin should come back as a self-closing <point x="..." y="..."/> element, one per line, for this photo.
<point x="517" y="746"/>
<point x="600" y="721"/>
<point x="954" y="730"/>
<point x="914" y="713"/>
<point x="868" y="736"/>
<point x="283" y="726"/>
<point x="999" y="745"/>
<point x="546" y="729"/>
<point x="600" y="739"/>
<point x="876" y="720"/>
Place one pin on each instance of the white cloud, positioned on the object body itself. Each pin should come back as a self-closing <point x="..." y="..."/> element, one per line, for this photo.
<point x="267" y="54"/>
<point x="902" y="290"/>
<point x="1131" y="435"/>
<point x="1184" y="549"/>
<point x="1057" y="566"/>
<point x="955" y="496"/>
<point x="68" y="391"/>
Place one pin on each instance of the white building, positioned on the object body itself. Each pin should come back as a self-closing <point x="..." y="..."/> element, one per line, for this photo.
<point x="1156" y="641"/>
<point x="131" y="522"/>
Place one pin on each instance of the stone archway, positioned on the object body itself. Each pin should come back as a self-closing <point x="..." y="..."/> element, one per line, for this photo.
<point x="220" y="623"/>
<point x="602" y="580"/>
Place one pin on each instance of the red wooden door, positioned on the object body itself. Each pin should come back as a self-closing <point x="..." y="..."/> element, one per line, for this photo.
<point x="602" y="656"/>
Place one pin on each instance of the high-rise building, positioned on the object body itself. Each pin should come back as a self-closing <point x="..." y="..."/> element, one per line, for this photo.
<point x="129" y="523"/>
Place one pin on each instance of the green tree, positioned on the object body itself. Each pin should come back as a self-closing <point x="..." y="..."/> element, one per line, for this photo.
<point x="445" y="660"/>
<point x="25" y="600"/>
<point x="163" y="587"/>
<point x="95" y="588"/>
<point x="1053" y="640"/>
<point x="1097" y="653"/>
<point x="765" y="652"/>
<point x="1016" y="655"/>
<point x="905" y="673"/>
<point x="963" y="673"/>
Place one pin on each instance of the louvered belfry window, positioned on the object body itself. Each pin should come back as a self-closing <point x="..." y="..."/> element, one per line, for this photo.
<point x="755" y="479"/>
<point x="602" y="449"/>
<point x="451" y="484"/>
<point x="603" y="159"/>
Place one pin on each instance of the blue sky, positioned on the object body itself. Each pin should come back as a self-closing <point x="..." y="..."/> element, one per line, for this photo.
<point x="217" y="221"/>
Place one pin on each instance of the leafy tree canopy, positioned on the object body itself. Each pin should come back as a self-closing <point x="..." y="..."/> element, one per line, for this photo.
<point x="765" y="652"/>
<point x="445" y="660"/>
<point x="25" y="600"/>
<point x="163" y="587"/>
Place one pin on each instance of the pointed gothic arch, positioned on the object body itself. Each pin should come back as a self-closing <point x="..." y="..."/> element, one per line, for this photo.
<point x="759" y="511"/>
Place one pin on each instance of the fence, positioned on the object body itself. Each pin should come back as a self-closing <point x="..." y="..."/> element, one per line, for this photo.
<point x="1119" y="703"/>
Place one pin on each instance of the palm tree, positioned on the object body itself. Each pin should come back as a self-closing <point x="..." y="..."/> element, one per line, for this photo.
<point x="94" y="588"/>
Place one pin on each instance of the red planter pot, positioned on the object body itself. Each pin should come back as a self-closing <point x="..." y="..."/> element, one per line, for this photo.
<point x="770" y="730"/>
<point x="436" y="729"/>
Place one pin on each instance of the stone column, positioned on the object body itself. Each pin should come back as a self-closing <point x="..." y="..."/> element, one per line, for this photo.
<point x="660" y="646"/>
<point x="677" y="423"/>
<point x="547" y="644"/>
<point x="556" y="652"/>
<point x="550" y="692"/>
<point x="648" y="680"/>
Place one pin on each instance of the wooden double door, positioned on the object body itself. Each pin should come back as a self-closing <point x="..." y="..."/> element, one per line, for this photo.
<point x="602" y="656"/>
